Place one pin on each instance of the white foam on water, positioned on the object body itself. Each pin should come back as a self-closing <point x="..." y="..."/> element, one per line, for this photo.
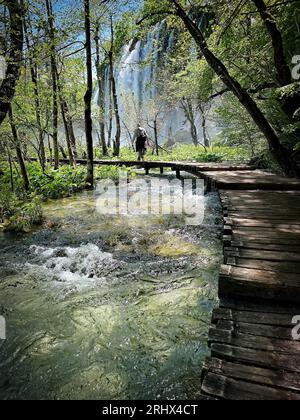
<point x="84" y="267"/>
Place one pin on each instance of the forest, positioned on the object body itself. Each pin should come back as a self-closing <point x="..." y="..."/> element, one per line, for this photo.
<point x="209" y="80"/>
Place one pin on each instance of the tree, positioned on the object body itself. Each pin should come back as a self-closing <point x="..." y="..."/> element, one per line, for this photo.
<point x="51" y="33"/>
<point x="117" y="139"/>
<point x="18" y="149"/>
<point x="282" y="155"/>
<point x="34" y="78"/>
<point x="100" y="68"/>
<point x="14" y="59"/>
<point x="88" y="96"/>
<point x="289" y="103"/>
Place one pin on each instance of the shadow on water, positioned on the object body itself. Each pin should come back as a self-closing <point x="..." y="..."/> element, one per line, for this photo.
<point x="108" y="308"/>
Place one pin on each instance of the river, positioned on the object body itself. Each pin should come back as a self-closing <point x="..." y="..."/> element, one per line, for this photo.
<point x="107" y="307"/>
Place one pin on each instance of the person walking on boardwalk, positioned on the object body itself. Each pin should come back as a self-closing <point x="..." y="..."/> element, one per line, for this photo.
<point x="140" y="139"/>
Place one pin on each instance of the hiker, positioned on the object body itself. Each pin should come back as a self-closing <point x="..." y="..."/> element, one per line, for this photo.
<point x="140" y="138"/>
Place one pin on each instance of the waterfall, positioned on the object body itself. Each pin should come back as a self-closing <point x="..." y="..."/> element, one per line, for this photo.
<point x="135" y="74"/>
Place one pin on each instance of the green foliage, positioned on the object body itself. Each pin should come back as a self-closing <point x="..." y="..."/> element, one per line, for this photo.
<point x="56" y="184"/>
<point x="17" y="215"/>
<point x="210" y="157"/>
<point x="190" y="153"/>
<point x="19" y="211"/>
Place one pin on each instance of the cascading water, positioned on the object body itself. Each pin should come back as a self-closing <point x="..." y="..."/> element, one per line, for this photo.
<point x="136" y="73"/>
<point x="104" y="307"/>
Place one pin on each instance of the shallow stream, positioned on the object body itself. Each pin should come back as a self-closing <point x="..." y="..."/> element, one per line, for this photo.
<point x="107" y="307"/>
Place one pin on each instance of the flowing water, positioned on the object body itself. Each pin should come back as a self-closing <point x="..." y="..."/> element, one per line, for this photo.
<point x="102" y="307"/>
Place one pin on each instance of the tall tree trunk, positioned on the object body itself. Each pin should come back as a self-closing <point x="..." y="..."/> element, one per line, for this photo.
<point x="88" y="97"/>
<point x="204" y="127"/>
<point x="110" y="114"/>
<point x="101" y="104"/>
<point x="64" y="113"/>
<point x="62" y="151"/>
<point x="280" y="153"/>
<point x="68" y="122"/>
<point x="7" y="88"/>
<point x="117" y="140"/>
<point x="50" y="149"/>
<point x="156" y="136"/>
<point x="18" y="149"/>
<point x="51" y="33"/>
<point x="189" y="113"/>
<point x="34" y="79"/>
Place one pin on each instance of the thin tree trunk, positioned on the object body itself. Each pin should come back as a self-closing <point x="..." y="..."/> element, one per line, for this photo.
<point x="189" y="113"/>
<point x="54" y="82"/>
<point x="11" y="171"/>
<point x="280" y="153"/>
<point x="68" y="123"/>
<point x="7" y="88"/>
<point x="117" y="140"/>
<point x="34" y="79"/>
<point x="204" y="127"/>
<point x="50" y="149"/>
<point x="64" y="111"/>
<point x="110" y="116"/>
<point x="62" y="151"/>
<point x="88" y="97"/>
<point x="101" y="105"/>
<point x="156" y="137"/>
<point x="18" y="149"/>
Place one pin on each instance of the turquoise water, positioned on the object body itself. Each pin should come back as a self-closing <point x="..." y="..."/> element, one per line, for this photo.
<point x="103" y="307"/>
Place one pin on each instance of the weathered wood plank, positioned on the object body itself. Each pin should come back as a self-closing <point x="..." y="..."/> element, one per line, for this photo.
<point x="262" y="245"/>
<point x="260" y="318"/>
<point x="254" y="223"/>
<point x="269" y="377"/>
<point x="262" y="255"/>
<point x="268" y="331"/>
<point x="282" y="266"/>
<point x="259" y="308"/>
<point x="258" y="358"/>
<point x="235" y="338"/>
<point x="232" y="389"/>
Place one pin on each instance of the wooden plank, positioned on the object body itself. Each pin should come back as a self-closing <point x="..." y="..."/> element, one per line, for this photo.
<point x="275" y="319"/>
<point x="282" y="266"/>
<point x="236" y="338"/>
<point x="259" y="223"/>
<point x="272" y="308"/>
<point x="256" y="330"/>
<point x="248" y="283"/>
<point x="256" y="358"/>
<point x="272" y="218"/>
<point x="232" y="389"/>
<point x="262" y="246"/>
<point x="263" y="255"/>
<point x="269" y="377"/>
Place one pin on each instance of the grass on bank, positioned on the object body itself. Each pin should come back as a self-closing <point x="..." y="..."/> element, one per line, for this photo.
<point x="20" y="210"/>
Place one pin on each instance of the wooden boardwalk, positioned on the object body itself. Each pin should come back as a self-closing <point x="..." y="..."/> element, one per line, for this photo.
<point x="253" y="354"/>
